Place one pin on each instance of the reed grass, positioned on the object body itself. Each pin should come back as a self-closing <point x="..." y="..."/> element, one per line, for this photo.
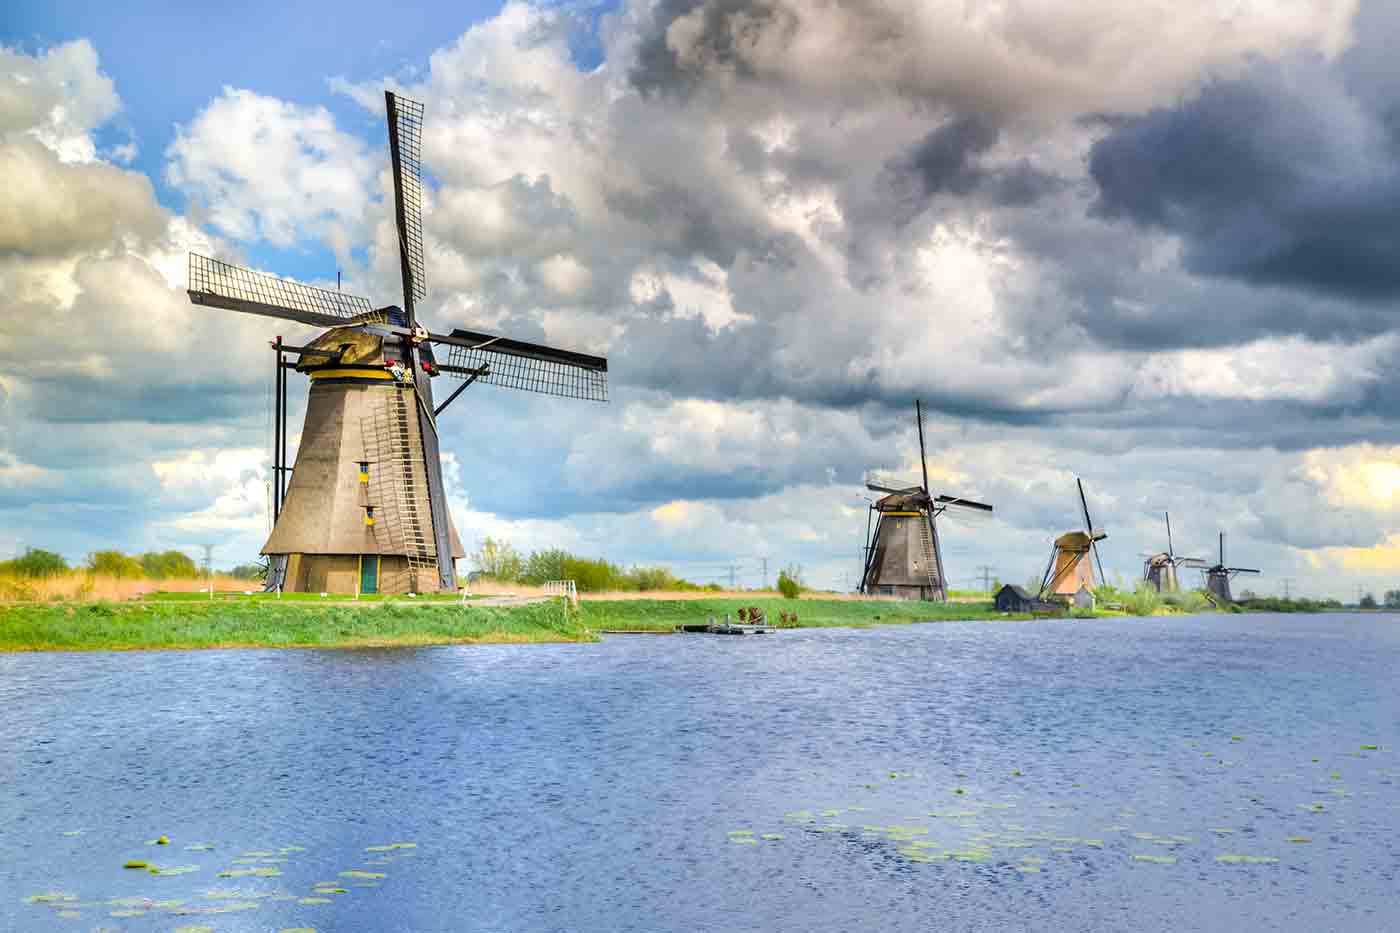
<point x="82" y="586"/>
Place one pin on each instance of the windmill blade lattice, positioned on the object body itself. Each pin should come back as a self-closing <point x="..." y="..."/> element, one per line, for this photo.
<point x="406" y="134"/>
<point x="530" y="367"/>
<point x="220" y="284"/>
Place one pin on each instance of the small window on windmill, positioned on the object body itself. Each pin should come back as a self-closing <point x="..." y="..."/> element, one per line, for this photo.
<point x="369" y="516"/>
<point x="364" y="473"/>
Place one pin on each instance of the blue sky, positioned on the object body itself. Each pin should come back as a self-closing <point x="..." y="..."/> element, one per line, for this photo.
<point x="169" y="60"/>
<point x="782" y="223"/>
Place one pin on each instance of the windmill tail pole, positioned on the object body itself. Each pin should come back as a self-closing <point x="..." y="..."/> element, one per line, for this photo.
<point x="923" y="459"/>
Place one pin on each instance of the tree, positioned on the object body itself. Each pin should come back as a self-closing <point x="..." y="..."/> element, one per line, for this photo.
<point x="499" y="560"/>
<point x="1392" y="599"/>
<point x="165" y="565"/>
<point x="788" y="585"/>
<point x="544" y="566"/>
<point x="1368" y="601"/>
<point x="35" y="562"/>
<point x="115" y="564"/>
<point x="249" y="572"/>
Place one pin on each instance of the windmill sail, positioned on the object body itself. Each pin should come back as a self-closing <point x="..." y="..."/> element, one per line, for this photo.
<point x="222" y="285"/>
<point x="406" y="153"/>
<point x="532" y="367"/>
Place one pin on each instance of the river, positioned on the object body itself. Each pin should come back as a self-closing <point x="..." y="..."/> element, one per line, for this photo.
<point x="1221" y="773"/>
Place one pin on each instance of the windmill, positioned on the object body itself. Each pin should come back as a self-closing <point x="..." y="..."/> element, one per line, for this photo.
<point x="903" y="557"/>
<point x="1160" y="570"/>
<point x="1219" y="576"/>
<point x="1070" y="569"/>
<point x="364" y="508"/>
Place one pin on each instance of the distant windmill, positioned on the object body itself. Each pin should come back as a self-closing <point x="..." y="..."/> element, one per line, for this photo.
<point x="1219" y="576"/>
<point x="1069" y="568"/>
<point x="365" y="509"/>
<point x="903" y="558"/>
<point x="1160" y="570"/>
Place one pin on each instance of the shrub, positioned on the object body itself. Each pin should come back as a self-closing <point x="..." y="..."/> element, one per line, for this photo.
<point x="788" y="586"/>
<point x="1143" y="601"/>
<point x="499" y="560"/>
<point x="249" y="572"/>
<point x="115" y="564"/>
<point x="168" y="564"/>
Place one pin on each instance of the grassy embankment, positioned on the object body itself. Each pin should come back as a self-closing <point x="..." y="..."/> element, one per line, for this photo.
<point x="662" y="615"/>
<point x="168" y="620"/>
<point x="289" y="624"/>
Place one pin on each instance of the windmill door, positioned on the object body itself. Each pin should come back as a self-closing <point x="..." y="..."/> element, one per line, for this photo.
<point x="369" y="573"/>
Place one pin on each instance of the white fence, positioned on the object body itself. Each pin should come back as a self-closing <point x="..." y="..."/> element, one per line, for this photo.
<point x="564" y="588"/>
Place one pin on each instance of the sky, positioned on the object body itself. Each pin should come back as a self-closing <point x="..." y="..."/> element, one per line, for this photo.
<point x="1152" y="244"/>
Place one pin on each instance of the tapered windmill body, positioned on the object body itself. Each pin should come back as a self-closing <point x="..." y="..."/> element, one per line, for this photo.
<point x="1161" y="570"/>
<point x="903" y="555"/>
<point x="364" y="508"/>
<point x="1218" y="577"/>
<point x="1073" y="558"/>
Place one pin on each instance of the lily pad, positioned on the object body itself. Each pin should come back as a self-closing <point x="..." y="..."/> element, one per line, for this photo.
<point x="1246" y="859"/>
<point x="362" y="874"/>
<point x="1156" y="859"/>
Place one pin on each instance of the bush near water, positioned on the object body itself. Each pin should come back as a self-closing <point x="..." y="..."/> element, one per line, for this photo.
<point x="500" y="561"/>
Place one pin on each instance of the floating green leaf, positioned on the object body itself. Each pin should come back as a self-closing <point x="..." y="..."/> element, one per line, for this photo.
<point x="1157" y="859"/>
<point x="1246" y="859"/>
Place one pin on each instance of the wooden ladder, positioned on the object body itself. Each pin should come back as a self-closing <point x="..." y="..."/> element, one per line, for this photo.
<point x="398" y="469"/>
<point x="930" y="559"/>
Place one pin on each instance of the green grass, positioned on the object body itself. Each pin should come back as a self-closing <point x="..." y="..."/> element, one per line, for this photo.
<point x="662" y="615"/>
<point x="183" y="620"/>
<point x="258" y="623"/>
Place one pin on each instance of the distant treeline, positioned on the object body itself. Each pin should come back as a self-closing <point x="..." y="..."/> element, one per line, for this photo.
<point x="1298" y="604"/>
<point x="38" y="564"/>
<point x="500" y="561"/>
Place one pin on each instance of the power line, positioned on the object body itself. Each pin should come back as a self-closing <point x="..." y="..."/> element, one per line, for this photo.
<point x="987" y="572"/>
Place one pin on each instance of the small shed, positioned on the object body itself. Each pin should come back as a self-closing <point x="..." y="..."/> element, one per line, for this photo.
<point x="1012" y="598"/>
<point x="1083" y="598"/>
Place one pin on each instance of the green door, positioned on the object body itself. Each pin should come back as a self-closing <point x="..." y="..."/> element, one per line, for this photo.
<point x="369" y="573"/>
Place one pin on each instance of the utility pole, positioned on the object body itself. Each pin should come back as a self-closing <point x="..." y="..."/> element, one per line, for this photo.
<point x="765" y="572"/>
<point x="986" y="576"/>
<point x="209" y="567"/>
<point x="733" y="568"/>
<point x="1287" y="583"/>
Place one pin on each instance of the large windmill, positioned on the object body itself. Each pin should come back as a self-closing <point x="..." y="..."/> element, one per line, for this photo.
<point x="903" y="557"/>
<point x="365" y="508"/>
<point x="1070" y="568"/>
<point x="1160" y="570"/>
<point x="1219" y="576"/>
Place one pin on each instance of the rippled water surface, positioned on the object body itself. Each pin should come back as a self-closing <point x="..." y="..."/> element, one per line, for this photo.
<point x="1216" y="773"/>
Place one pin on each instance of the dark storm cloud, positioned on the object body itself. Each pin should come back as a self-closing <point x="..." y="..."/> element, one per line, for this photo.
<point x="724" y="25"/>
<point x="1284" y="177"/>
<point x="948" y="162"/>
